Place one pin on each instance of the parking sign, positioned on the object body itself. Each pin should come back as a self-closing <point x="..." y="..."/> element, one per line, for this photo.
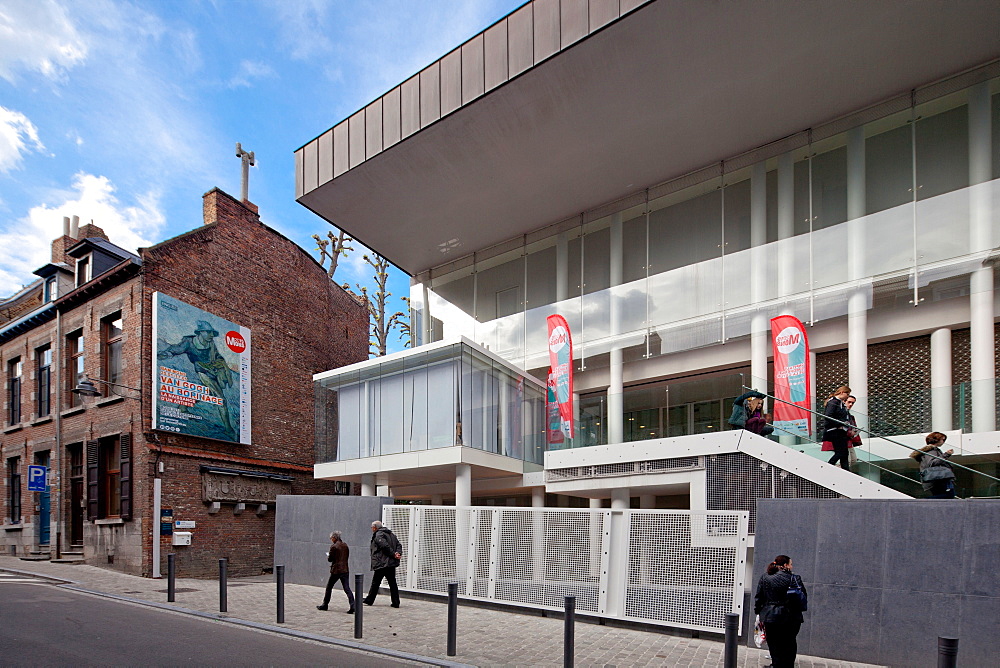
<point x="37" y="481"/>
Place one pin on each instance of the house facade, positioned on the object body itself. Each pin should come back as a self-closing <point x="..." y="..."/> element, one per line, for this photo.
<point x="194" y="357"/>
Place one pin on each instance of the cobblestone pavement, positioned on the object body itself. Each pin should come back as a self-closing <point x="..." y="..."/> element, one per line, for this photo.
<point x="486" y="637"/>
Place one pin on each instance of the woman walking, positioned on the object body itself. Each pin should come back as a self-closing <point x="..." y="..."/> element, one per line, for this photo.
<point x="835" y="426"/>
<point x="779" y="611"/>
<point x="936" y="474"/>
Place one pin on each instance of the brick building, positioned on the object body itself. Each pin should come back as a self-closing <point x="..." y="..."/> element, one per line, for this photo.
<point x="181" y="427"/>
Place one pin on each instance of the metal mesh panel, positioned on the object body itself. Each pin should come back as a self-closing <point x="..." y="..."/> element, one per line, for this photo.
<point x="622" y="468"/>
<point x="626" y="468"/>
<point x="681" y="567"/>
<point x="899" y="380"/>
<point x="673" y="567"/>
<point x="663" y="464"/>
<point x="397" y="519"/>
<point x="790" y="486"/>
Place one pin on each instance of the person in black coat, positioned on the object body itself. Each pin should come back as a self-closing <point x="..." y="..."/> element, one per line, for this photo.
<point x="780" y="613"/>
<point x="836" y="424"/>
<point x="386" y="553"/>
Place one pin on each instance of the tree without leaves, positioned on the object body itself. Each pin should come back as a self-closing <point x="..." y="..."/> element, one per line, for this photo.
<point x="381" y="325"/>
<point x="331" y="249"/>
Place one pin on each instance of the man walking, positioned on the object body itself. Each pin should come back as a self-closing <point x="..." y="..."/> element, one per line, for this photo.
<point x="386" y="553"/>
<point x="339" y="569"/>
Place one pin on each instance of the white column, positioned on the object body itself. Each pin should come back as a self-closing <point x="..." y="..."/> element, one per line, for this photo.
<point x="786" y="223"/>
<point x="759" y="335"/>
<point x="647" y="501"/>
<point x="537" y="497"/>
<point x="981" y="332"/>
<point x="562" y="267"/>
<point x="620" y="498"/>
<point x="368" y="484"/>
<point x="941" y="379"/>
<point x="616" y="416"/>
<point x="857" y="300"/>
<point x="596" y="504"/>
<point x="157" y="497"/>
<point x="463" y="485"/>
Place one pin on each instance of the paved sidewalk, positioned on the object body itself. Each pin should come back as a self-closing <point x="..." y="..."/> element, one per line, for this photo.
<point x="485" y="637"/>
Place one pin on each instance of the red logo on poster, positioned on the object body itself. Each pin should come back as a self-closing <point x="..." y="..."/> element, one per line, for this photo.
<point x="236" y="342"/>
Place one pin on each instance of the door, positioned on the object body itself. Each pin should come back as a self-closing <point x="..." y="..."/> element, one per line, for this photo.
<point x="44" y="501"/>
<point x="76" y="502"/>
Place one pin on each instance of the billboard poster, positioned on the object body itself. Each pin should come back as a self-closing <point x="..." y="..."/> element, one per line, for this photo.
<point x="561" y="369"/>
<point x="202" y="372"/>
<point x="553" y="422"/>
<point x="791" y="375"/>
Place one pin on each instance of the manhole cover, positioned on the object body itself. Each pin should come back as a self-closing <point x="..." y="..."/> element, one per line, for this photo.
<point x="182" y="590"/>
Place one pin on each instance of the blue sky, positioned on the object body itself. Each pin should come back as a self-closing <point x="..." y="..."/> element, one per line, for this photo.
<point x="127" y="112"/>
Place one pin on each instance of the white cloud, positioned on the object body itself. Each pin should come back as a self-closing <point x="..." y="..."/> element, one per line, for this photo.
<point x="250" y="70"/>
<point x="25" y="245"/>
<point x="37" y="36"/>
<point x="18" y="135"/>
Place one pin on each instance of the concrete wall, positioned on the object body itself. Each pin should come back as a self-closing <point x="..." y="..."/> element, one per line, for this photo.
<point x="302" y="534"/>
<point x="887" y="577"/>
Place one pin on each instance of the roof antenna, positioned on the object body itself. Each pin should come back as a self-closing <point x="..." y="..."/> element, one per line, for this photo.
<point x="248" y="162"/>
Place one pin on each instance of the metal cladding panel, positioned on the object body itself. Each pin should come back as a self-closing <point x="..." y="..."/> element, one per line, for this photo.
<point x="520" y="42"/>
<point x="546" y="28"/>
<point x="325" y="156"/>
<point x="390" y="117"/>
<point x="309" y="175"/>
<point x="473" y="69"/>
<point x="451" y="82"/>
<point x="430" y="95"/>
<point x="409" y="106"/>
<point x="298" y="172"/>
<point x="356" y="138"/>
<point x="373" y="128"/>
<point x="495" y="55"/>
<point x="575" y="21"/>
<point x="602" y="12"/>
<point x="341" y="149"/>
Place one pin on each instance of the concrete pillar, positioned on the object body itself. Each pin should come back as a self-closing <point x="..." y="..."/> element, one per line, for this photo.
<point x="368" y="484"/>
<point x="537" y="497"/>
<point x="596" y="504"/>
<point x="620" y="498"/>
<point x="616" y="414"/>
<point x="647" y="501"/>
<point x="981" y="329"/>
<point x="857" y="300"/>
<point x="463" y="485"/>
<point x="759" y="334"/>
<point x="941" y="381"/>
<point x="786" y="223"/>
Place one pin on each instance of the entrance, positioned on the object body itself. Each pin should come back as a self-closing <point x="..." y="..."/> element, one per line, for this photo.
<point x="44" y="501"/>
<point x="76" y="501"/>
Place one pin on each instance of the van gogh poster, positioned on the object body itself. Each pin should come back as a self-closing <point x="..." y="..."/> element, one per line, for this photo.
<point x="202" y="372"/>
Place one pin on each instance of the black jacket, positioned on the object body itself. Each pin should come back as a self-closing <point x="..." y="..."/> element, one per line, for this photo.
<point x="385" y="545"/>
<point x="836" y="409"/>
<point x="772" y="602"/>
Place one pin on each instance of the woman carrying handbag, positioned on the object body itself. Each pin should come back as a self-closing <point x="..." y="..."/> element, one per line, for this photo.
<point x="779" y="602"/>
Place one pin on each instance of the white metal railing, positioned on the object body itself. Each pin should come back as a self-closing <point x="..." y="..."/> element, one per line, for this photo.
<point x="672" y="567"/>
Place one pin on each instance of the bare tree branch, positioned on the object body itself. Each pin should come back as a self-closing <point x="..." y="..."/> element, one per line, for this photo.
<point x="332" y="248"/>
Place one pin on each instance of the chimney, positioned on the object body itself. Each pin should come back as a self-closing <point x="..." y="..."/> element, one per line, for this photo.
<point x="74" y="228"/>
<point x="65" y="226"/>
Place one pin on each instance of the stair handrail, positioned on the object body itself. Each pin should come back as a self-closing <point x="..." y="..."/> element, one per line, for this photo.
<point x="870" y="433"/>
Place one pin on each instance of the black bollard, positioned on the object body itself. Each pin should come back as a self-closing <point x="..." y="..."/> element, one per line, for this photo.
<point x="947" y="652"/>
<point x="452" y="618"/>
<point x="280" y="570"/>
<point x="171" y="578"/>
<point x="359" y="605"/>
<point x="223" y="584"/>
<point x="732" y="630"/>
<point x="569" y="634"/>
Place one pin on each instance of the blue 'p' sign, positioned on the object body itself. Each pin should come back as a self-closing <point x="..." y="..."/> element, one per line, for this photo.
<point x="37" y="478"/>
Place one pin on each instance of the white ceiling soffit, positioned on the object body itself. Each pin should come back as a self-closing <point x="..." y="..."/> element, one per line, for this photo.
<point x="670" y="88"/>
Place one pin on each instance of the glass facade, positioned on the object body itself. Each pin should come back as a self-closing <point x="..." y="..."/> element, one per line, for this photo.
<point x="424" y="399"/>
<point x="896" y="212"/>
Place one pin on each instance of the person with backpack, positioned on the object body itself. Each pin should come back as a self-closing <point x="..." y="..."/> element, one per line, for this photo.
<point x="936" y="473"/>
<point x="386" y="552"/>
<point x="779" y="602"/>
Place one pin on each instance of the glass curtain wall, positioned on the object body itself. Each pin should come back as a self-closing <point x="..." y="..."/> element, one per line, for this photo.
<point x="884" y="214"/>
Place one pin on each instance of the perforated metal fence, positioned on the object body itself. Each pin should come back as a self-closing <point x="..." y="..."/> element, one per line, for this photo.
<point x="670" y="567"/>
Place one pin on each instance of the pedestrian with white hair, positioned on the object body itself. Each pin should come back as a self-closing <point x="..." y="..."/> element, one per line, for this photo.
<point x="386" y="552"/>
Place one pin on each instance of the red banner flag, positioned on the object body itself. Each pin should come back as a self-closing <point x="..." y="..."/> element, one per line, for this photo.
<point x="561" y="370"/>
<point x="791" y="375"/>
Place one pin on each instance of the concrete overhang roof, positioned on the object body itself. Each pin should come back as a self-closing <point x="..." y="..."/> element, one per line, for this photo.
<point x="660" y="92"/>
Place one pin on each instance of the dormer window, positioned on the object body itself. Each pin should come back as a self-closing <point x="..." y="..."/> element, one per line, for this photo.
<point x="51" y="288"/>
<point x="82" y="270"/>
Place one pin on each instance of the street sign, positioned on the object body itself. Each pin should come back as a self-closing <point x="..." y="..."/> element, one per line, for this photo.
<point x="37" y="478"/>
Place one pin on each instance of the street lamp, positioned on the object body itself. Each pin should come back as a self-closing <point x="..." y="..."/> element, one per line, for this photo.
<point x="86" y="387"/>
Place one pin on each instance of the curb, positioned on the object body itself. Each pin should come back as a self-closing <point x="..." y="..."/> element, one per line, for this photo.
<point x="347" y="644"/>
<point x="32" y="574"/>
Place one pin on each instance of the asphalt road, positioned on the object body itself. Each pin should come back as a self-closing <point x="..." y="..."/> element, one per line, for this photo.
<point x="42" y="624"/>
